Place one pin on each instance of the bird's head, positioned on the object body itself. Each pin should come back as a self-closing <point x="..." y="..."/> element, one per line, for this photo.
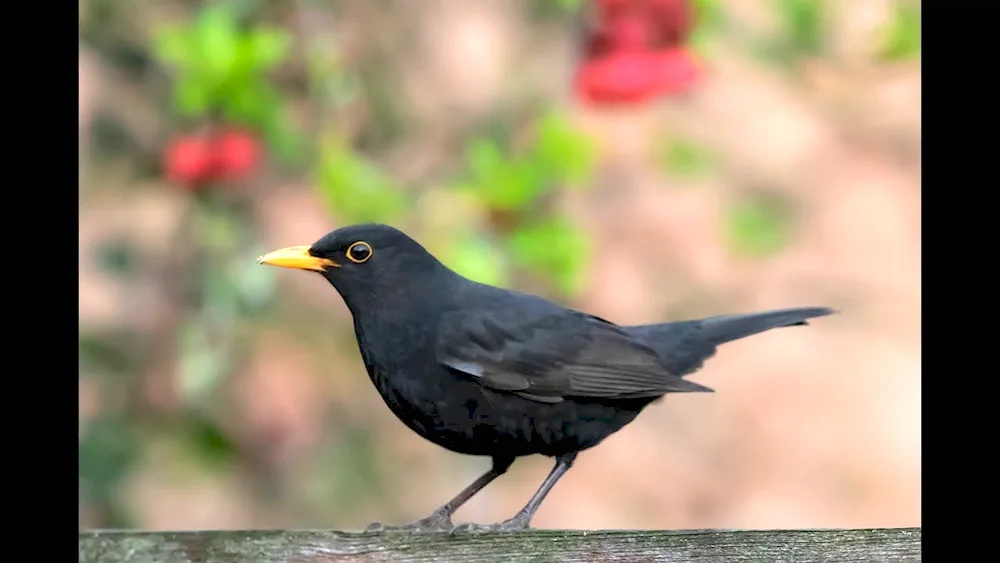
<point x="364" y="262"/>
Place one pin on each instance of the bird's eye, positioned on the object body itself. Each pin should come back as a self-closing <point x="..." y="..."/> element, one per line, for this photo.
<point x="359" y="252"/>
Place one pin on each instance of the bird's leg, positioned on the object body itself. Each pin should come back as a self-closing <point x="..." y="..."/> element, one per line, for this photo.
<point x="440" y="519"/>
<point x="521" y="520"/>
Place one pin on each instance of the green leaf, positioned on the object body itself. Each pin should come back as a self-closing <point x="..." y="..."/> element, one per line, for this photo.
<point x="113" y="354"/>
<point x="803" y="22"/>
<point x="485" y="160"/>
<point x="260" y="105"/>
<point x="709" y="21"/>
<point x="107" y="451"/>
<point x="708" y="14"/>
<point x="507" y="183"/>
<point x="251" y="100"/>
<point x="220" y="307"/>
<point x="192" y="96"/>
<point x="220" y="231"/>
<point x="758" y="227"/>
<point x="217" y="40"/>
<point x="479" y="260"/>
<point x="173" y="46"/>
<point x="331" y="84"/>
<point x="523" y="182"/>
<point x="268" y="47"/>
<point x="570" y="5"/>
<point x="903" y="38"/>
<point x="502" y="183"/>
<point x="554" y="248"/>
<point x="355" y="189"/>
<point x="208" y="441"/>
<point x="568" y="154"/>
<point x="117" y="257"/>
<point x="684" y="158"/>
<point x="284" y="141"/>
<point x="202" y="365"/>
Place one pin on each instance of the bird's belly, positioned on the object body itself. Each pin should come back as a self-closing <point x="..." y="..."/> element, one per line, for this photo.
<point x="466" y="418"/>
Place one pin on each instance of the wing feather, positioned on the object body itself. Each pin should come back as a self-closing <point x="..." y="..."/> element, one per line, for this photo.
<point x="547" y="354"/>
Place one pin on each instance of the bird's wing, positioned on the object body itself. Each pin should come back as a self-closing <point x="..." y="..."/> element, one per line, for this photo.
<point x="548" y="355"/>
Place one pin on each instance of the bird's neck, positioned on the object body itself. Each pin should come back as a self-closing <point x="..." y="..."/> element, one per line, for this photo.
<point x="418" y="301"/>
<point x="400" y="326"/>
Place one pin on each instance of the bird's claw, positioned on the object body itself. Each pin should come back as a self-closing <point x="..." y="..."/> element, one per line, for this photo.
<point x="512" y="525"/>
<point x="433" y="523"/>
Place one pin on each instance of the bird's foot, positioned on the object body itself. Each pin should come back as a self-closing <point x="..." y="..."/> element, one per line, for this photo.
<point x="514" y="524"/>
<point x="436" y="522"/>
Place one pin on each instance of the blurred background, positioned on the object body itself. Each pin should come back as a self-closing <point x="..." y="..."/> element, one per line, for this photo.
<point x="643" y="160"/>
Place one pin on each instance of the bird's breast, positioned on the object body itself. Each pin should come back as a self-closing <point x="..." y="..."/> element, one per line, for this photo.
<point x="461" y="415"/>
<point x="464" y="417"/>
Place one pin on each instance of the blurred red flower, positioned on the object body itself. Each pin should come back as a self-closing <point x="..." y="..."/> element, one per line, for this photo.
<point x="637" y="52"/>
<point x="624" y="77"/>
<point x="188" y="160"/>
<point x="236" y="154"/>
<point x="196" y="160"/>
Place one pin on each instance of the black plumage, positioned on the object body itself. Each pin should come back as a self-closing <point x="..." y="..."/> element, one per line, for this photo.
<point x="486" y="371"/>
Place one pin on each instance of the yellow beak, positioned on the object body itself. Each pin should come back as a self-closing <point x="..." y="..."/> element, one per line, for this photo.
<point x="297" y="257"/>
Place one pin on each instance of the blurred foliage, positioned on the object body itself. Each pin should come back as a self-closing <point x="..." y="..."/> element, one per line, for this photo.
<point x="222" y="64"/>
<point x="356" y="190"/>
<point x="902" y="39"/>
<point x="710" y="18"/>
<point x="117" y="257"/>
<point x="510" y="183"/>
<point x="684" y="158"/>
<point x="235" y="62"/>
<point x="802" y="32"/>
<point x="111" y="445"/>
<point x="759" y="226"/>
<point x="803" y="23"/>
<point x="212" y="447"/>
<point x="478" y="258"/>
<point x="509" y="186"/>
<point x="550" y="9"/>
<point x="107" y="452"/>
<point x="568" y="4"/>
<point x="221" y="70"/>
<point x="513" y="186"/>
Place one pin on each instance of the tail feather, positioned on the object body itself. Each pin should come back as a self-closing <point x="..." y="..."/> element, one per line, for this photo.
<point x="684" y="346"/>
<point x="726" y="328"/>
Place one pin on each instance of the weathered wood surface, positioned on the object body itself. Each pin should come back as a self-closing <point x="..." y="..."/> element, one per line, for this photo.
<point x="703" y="546"/>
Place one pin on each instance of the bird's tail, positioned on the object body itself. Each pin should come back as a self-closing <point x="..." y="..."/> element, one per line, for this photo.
<point x="684" y="346"/>
<point x="726" y="328"/>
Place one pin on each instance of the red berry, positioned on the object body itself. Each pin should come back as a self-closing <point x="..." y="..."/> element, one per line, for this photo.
<point x="610" y="8"/>
<point x="188" y="160"/>
<point x="673" y="20"/>
<point x="675" y="70"/>
<point x="629" y="32"/>
<point x="236" y="154"/>
<point x="616" y="78"/>
<point x="595" y="44"/>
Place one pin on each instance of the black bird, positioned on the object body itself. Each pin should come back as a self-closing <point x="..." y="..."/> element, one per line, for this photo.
<point x="486" y="371"/>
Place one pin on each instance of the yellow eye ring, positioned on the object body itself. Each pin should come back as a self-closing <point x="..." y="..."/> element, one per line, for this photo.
<point x="359" y="252"/>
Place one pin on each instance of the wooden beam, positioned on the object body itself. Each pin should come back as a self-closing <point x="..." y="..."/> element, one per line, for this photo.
<point x="704" y="546"/>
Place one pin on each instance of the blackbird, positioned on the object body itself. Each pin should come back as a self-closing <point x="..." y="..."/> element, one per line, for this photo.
<point x="486" y="371"/>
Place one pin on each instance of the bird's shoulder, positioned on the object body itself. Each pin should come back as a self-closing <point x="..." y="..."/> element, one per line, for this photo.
<point x="508" y="320"/>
